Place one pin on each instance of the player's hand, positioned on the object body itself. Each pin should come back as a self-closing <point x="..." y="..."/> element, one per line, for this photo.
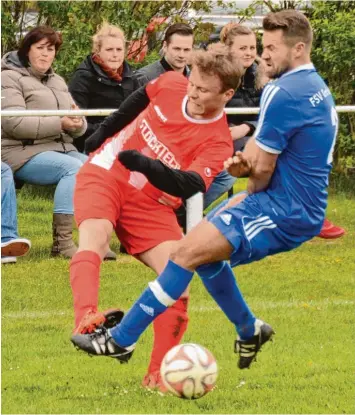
<point x="133" y="160"/>
<point x="239" y="131"/>
<point x="238" y="165"/>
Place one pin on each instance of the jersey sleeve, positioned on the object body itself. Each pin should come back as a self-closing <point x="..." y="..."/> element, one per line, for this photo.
<point x="209" y="161"/>
<point x="168" y="81"/>
<point x="279" y="119"/>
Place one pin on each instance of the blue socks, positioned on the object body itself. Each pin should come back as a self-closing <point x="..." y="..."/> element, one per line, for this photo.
<point x="220" y="282"/>
<point x="160" y="294"/>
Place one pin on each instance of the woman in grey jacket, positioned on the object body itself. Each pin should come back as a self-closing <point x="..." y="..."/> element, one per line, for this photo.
<point x="40" y="150"/>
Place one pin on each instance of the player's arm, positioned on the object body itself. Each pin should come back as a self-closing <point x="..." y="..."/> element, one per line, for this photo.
<point x="254" y="163"/>
<point x="130" y="108"/>
<point x="262" y="168"/>
<point x="279" y="118"/>
<point x="175" y="182"/>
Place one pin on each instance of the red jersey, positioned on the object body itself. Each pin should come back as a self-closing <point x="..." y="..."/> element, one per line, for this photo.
<point x="165" y="131"/>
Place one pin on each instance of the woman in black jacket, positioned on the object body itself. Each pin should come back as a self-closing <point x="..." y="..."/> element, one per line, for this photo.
<point x="242" y="41"/>
<point x="104" y="79"/>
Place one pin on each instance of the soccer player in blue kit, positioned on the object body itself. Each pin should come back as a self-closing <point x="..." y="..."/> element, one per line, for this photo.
<point x="288" y="163"/>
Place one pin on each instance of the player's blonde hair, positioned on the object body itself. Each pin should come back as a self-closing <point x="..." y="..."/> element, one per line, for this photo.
<point x="104" y="31"/>
<point x="218" y="60"/>
<point x="232" y="30"/>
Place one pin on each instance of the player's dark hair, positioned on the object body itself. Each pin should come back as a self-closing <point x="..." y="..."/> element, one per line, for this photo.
<point x="35" y="35"/>
<point x="294" y="25"/>
<point x="218" y="60"/>
<point x="181" y="29"/>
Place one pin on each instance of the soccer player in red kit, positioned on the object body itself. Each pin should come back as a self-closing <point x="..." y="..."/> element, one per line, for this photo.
<point x="175" y="138"/>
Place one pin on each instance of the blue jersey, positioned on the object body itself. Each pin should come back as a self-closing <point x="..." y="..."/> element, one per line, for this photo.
<point x="298" y="121"/>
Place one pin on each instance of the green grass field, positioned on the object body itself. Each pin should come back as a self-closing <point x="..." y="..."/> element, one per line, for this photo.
<point x="307" y="296"/>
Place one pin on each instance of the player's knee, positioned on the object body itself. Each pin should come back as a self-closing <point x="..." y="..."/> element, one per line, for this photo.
<point x="94" y="235"/>
<point x="183" y="256"/>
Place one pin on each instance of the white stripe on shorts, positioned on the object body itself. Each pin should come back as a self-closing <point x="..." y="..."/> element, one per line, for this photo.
<point x="261" y="228"/>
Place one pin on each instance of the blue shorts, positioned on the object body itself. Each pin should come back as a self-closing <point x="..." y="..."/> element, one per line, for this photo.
<point x="252" y="229"/>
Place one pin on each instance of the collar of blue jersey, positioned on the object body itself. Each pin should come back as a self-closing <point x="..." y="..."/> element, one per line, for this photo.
<point x="305" y="67"/>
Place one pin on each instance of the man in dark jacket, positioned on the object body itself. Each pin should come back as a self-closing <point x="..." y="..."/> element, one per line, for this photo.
<point x="177" y="47"/>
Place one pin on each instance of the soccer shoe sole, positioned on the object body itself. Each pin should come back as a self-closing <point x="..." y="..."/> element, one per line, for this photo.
<point x="330" y="235"/>
<point x="17" y="247"/>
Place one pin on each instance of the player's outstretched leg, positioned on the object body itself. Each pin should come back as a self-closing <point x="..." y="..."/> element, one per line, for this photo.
<point x="220" y="282"/>
<point x="101" y="343"/>
<point x="248" y="349"/>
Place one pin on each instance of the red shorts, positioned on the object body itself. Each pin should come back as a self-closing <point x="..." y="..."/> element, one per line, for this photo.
<point x="140" y="222"/>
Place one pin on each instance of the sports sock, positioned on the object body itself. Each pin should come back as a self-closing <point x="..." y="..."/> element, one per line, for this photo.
<point x="160" y="294"/>
<point x="220" y="282"/>
<point x="85" y="281"/>
<point x="169" y="329"/>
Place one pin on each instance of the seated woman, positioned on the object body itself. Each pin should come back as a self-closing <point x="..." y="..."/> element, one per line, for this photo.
<point x="104" y="79"/>
<point x="40" y="150"/>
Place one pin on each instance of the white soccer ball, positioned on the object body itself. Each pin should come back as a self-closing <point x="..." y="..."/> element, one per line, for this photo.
<point x="189" y="371"/>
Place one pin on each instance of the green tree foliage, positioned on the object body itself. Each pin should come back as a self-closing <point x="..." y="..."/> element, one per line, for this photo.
<point x="333" y="55"/>
<point x="79" y="20"/>
<point x="13" y="23"/>
<point x="333" y="25"/>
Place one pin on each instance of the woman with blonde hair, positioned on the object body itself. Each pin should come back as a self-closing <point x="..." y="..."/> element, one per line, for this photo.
<point x="242" y="42"/>
<point x="104" y="79"/>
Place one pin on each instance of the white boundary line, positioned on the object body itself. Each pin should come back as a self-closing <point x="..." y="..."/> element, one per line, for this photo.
<point x="265" y="305"/>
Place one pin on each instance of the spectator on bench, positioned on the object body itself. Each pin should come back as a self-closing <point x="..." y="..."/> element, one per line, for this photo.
<point x="11" y="245"/>
<point x="242" y="41"/>
<point x="40" y="149"/>
<point x="104" y="79"/>
<point x="177" y="48"/>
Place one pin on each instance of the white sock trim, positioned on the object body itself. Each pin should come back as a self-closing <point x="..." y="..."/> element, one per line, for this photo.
<point x="160" y="294"/>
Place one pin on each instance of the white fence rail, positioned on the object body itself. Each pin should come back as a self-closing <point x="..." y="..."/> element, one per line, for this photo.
<point x="194" y="205"/>
<point x="105" y="112"/>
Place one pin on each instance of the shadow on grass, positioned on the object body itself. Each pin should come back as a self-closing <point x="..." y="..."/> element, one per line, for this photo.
<point x="32" y="191"/>
<point x="342" y="183"/>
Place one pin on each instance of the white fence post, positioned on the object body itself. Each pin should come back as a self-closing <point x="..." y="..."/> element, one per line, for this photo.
<point x="194" y="211"/>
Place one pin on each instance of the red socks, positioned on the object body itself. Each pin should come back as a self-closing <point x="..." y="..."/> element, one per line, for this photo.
<point x="85" y="281"/>
<point x="169" y="329"/>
